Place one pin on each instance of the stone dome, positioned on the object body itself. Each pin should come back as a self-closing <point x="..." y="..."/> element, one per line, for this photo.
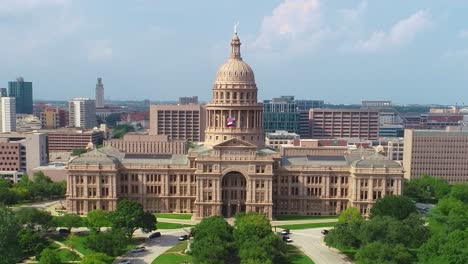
<point x="235" y="69"/>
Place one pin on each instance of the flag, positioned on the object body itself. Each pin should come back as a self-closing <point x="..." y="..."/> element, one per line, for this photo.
<point x="231" y="121"/>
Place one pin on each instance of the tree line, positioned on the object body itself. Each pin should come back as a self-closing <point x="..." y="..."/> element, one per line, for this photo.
<point x="26" y="190"/>
<point x="397" y="233"/>
<point x="25" y="232"/>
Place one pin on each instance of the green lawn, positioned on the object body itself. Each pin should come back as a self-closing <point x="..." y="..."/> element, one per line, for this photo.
<point x="77" y="242"/>
<point x="165" y="225"/>
<point x="174" y="216"/>
<point x="295" y="256"/>
<point x="303" y="217"/>
<point x="308" y="225"/>
<point x="174" y="255"/>
<point x="66" y="255"/>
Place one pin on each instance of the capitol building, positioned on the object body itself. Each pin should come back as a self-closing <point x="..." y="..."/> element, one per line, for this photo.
<point x="232" y="171"/>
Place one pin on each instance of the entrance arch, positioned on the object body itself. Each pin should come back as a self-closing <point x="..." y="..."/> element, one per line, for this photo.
<point x="233" y="193"/>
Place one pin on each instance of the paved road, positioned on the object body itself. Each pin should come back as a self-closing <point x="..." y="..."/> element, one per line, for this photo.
<point x="310" y="242"/>
<point x="154" y="247"/>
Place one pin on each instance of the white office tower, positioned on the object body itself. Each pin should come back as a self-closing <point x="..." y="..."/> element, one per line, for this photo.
<point x="8" y="114"/>
<point x="99" y="94"/>
<point x="82" y="113"/>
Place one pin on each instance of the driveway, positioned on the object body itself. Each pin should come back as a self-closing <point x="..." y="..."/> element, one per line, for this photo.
<point x="310" y="242"/>
<point x="154" y="247"/>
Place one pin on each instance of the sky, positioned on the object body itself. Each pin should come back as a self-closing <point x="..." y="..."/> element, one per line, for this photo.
<point x="337" y="51"/>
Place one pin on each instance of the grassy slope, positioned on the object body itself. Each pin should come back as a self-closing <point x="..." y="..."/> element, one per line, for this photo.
<point x="302" y="217"/>
<point x="174" y="216"/>
<point x="174" y="255"/>
<point x="296" y="256"/>
<point x="309" y="225"/>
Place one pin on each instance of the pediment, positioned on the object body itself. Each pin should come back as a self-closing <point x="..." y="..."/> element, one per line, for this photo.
<point x="235" y="143"/>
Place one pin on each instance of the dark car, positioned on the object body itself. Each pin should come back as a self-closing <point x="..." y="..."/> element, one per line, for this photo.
<point x="324" y="232"/>
<point x="285" y="232"/>
<point x="64" y="231"/>
<point x="183" y="237"/>
<point x="138" y="250"/>
<point x="287" y="239"/>
<point x="154" y="235"/>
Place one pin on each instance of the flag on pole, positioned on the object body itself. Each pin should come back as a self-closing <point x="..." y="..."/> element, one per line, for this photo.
<point x="231" y="121"/>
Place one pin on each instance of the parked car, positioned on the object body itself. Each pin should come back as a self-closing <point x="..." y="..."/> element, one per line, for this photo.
<point x="138" y="250"/>
<point x="154" y="235"/>
<point x="285" y="232"/>
<point x="287" y="239"/>
<point x="64" y="231"/>
<point x="324" y="232"/>
<point x="183" y="237"/>
<point x="124" y="261"/>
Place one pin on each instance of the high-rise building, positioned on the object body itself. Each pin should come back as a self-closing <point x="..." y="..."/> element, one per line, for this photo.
<point x="3" y="92"/>
<point x="68" y="139"/>
<point x="344" y="123"/>
<point x="188" y="100"/>
<point x="82" y="113"/>
<point x="22" y="152"/>
<point x="280" y="114"/>
<point x="306" y="105"/>
<point x="99" y="94"/>
<point x="7" y="114"/>
<point x="27" y="123"/>
<point x="23" y="93"/>
<point x="439" y="153"/>
<point x="186" y="122"/>
<point x="54" y="117"/>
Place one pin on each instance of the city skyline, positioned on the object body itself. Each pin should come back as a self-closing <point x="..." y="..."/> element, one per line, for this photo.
<point x="332" y="51"/>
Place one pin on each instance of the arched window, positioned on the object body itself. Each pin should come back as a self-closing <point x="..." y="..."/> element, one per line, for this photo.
<point x="228" y="95"/>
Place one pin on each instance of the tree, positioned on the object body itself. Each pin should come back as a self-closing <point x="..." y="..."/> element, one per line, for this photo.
<point x="345" y="235"/>
<point x="213" y="242"/>
<point x="426" y="189"/>
<point x="96" y="219"/>
<point x="112" y="119"/>
<point x="443" y="248"/>
<point x="69" y="221"/>
<point x="460" y="192"/>
<point x="78" y="151"/>
<point x="255" y="239"/>
<point x="9" y="250"/>
<point x="129" y="216"/>
<point x="399" y="207"/>
<point x="49" y="256"/>
<point x="380" y="252"/>
<point x="120" y="130"/>
<point x="7" y="196"/>
<point x="351" y="213"/>
<point x="37" y="220"/>
<point x="96" y="258"/>
<point x="112" y="243"/>
<point x="31" y="242"/>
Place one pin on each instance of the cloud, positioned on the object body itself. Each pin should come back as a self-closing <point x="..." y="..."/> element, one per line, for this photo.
<point x="401" y="33"/>
<point x="289" y="21"/>
<point x="20" y="6"/>
<point x="99" y="50"/>
<point x="463" y="34"/>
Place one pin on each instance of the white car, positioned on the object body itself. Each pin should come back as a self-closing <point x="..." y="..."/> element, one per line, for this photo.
<point x="124" y="261"/>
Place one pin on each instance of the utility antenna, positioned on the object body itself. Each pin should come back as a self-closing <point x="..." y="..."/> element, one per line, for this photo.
<point x="235" y="26"/>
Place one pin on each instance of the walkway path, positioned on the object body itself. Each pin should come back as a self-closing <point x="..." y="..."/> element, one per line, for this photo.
<point x="310" y="241"/>
<point x="62" y="245"/>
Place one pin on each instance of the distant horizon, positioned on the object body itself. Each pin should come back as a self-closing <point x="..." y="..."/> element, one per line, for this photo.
<point x="336" y="51"/>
